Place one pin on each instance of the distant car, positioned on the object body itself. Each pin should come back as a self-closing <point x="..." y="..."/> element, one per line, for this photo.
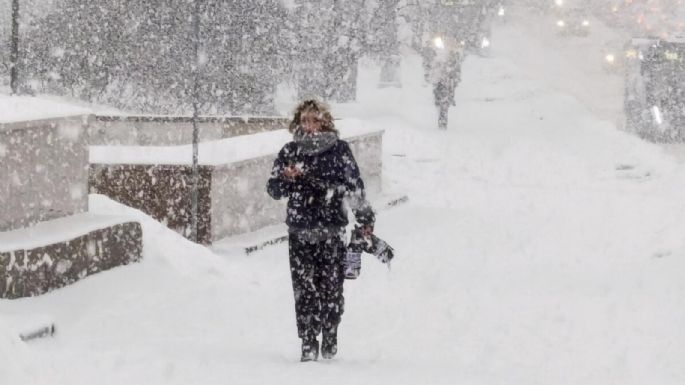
<point x="559" y="6"/>
<point x="575" y="22"/>
<point x="615" y="55"/>
<point x="469" y="23"/>
<point x="640" y="18"/>
<point x="612" y="60"/>
<point x="654" y="100"/>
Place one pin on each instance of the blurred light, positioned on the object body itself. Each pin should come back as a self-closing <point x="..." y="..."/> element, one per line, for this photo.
<point x="656" y="112"/>
<point x="561" y="23"/>
<point x="559" y="3"/>
<point x="586" y="23"/>
<point x="610" y="58"/>
<point x="500" y="12"/>
<point x="439" y="43"/>
<point x="631" y="54"/>
<point x="671" y="55"/>
<point x="485" y="43"/>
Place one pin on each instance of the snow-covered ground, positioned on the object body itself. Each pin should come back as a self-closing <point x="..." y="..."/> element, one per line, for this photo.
<point x="540" y="245"/>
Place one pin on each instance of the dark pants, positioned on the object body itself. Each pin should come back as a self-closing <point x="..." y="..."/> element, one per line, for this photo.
<point x="316" y="269"/>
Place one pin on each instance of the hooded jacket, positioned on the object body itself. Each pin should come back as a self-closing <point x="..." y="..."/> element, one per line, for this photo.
<point x="315" y="199"/>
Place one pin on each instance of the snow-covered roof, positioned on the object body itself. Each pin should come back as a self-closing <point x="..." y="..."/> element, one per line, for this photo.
<point x="216" y="152"/>
<point x="26" y="108"/>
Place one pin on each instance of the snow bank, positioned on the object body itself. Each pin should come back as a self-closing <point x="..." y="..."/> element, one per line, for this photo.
<point x="24" y="108"/>
<point x="161" y="245"/>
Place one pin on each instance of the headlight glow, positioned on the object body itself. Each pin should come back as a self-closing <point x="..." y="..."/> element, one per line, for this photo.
<point x="500" y="12"/>
<point x="559" y="3"/>
<point x="610" y="58"/>
<point x="656" y="112"/>
<point x="671" y="55"/>
<point x="439" y="43"/>
<point x="586" y="23"/>
<point x="485" y="43"/>
<point x="561" y="24"/>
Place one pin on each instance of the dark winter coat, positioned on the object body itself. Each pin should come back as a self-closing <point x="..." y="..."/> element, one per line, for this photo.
<point x="315" y="199"/>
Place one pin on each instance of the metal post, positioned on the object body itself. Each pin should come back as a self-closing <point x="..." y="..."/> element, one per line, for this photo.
<point x="14" y="47"/>
<point x="196" y="131"/>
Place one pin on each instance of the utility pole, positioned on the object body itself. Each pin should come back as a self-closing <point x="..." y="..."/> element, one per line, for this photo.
<point x="14" y="48"/>
<point x="196" y="131"/>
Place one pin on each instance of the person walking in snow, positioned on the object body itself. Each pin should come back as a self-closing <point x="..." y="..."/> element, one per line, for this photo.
<point x="318" y="175"/>
<point x="445" y="76"/>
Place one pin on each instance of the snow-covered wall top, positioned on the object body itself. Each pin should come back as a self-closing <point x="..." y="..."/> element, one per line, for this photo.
<point x="174" y="130"/>
<point x="15" y="109"/>
<point x="216" y="152"/>
<point x="56" y="230"/>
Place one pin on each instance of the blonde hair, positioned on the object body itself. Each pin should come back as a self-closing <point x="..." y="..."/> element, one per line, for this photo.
<point x="320" y="109"/>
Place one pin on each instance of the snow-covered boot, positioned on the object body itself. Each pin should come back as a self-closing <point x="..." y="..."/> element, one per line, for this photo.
<point x="310" y="349"/>
<point x="329" y="343"/>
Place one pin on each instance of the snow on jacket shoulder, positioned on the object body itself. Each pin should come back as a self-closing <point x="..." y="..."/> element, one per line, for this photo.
<point x="315" y="199"/>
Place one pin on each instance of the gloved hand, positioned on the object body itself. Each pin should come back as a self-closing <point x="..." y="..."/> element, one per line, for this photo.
<point x="383" y="251"/>
<point x="363" y="240"/>
<point x="366" y="230"/>
<point x="372" y="244"/>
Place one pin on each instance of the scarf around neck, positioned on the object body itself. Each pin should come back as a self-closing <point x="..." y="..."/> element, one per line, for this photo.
<point x="315" y="143"/>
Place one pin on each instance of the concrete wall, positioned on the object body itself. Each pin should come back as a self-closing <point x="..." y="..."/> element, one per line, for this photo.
<point x="368" y="152"/>
<point x="241" y="204"/>
<point x="43" y="170"/>
<point x="168" y="131"/>
<point x="44" y="241"/>
<point x="33" y="271"/>
<point x="161" y="191"/>
<point x="233" y="198"/>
